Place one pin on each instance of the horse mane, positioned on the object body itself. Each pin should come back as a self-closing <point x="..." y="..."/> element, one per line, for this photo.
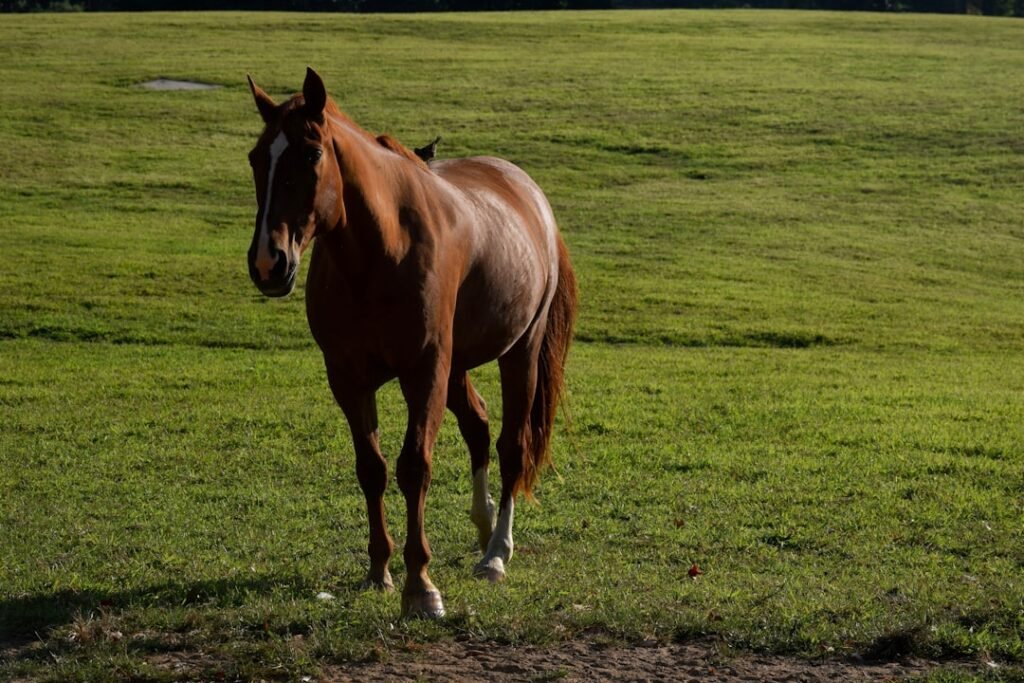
<point x="398" y="148"/>
<point x="385" y="141"/>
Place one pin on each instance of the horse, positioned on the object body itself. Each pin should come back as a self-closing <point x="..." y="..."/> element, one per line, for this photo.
<point x="419" y="272"/>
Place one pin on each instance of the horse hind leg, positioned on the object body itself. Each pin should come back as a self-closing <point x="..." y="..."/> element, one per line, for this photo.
<point x="518" y="387"/>
<point x="470" y="410"/>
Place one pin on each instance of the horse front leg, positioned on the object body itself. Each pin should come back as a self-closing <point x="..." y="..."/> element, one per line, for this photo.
<point x="425" y="393"/>
<point x="360" y="408"/>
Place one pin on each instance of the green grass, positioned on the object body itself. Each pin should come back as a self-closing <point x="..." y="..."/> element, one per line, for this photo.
<point x="800" y="358"/>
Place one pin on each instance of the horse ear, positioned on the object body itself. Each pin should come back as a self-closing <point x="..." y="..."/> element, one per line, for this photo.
<point x="314" y="92"/>
<point x="266" y="105"/>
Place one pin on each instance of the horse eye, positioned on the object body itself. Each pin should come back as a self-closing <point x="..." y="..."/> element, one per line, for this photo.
<point x="313" y="155"/>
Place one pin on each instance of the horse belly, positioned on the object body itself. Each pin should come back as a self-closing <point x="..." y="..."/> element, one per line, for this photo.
<point x="492" y="313"/>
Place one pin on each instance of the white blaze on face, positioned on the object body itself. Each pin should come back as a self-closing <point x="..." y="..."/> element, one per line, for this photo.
<point x="264" y="261"/>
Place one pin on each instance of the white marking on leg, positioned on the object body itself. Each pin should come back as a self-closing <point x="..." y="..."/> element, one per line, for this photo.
<point x="482" y="510"/>
<point x="264" y="262"/>
<point x="501" y="540"/>
<point x="499" y="550"/>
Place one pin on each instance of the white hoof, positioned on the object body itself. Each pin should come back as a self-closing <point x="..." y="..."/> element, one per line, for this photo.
<point x="492" y="569"/>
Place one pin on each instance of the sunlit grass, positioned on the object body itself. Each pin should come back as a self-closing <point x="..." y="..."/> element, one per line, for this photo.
<point x="799" y="359"/>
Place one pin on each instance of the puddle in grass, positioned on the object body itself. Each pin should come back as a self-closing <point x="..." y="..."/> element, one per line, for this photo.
<point x="171" y="84"/>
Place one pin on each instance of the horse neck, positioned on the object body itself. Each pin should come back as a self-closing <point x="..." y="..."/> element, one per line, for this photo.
<point x="375" y="185"/>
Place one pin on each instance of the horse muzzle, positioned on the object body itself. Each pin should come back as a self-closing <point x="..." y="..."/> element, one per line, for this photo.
<point x="279" y="278"/>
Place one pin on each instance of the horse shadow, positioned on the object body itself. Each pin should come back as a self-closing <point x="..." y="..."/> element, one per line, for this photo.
<point x="31" y="618"/>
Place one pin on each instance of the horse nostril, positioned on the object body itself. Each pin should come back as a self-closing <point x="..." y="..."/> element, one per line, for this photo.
<point x="280" y="265"/>
<point x="267" y="264"/>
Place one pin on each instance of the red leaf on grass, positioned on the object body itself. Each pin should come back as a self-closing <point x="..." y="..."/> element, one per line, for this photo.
<point x="694" y="571"/>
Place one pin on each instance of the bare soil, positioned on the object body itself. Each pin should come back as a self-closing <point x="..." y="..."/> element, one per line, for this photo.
<point x="592" y="660"/>
<point x="588" y="658"/>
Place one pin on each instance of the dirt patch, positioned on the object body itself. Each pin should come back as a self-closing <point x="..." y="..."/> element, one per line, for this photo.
<point x="583" y="660"/>
<point x="590" y="660"/>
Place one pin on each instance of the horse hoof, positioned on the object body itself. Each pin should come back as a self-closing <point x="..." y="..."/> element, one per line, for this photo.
<point x="383" y="584"/>
<point x="493" y="570"/>
<point x="425" y="605"/>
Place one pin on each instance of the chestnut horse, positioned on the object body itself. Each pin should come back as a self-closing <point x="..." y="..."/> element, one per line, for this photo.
<point x="419" y="273"/>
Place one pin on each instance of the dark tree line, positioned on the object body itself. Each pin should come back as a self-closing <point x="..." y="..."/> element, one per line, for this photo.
<point x="992" y="7"/>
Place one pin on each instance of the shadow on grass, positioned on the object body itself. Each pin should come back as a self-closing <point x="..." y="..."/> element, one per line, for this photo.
<point x="29" y="618"/>
<point x="899" y="644"/>
<point x="753" y="339"/>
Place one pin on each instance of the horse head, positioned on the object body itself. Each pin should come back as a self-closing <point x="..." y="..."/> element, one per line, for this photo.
<point x="298" y="184"/>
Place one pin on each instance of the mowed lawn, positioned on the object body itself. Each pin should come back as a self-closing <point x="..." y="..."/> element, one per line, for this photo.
<point x="799" y="361"/>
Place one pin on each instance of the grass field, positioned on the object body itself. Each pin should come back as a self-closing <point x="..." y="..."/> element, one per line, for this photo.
<point x="799" y="362"/>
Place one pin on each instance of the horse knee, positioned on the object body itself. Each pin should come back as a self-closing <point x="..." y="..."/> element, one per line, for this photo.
<point x="372" y="473"/>
<point x="412" y="474"/>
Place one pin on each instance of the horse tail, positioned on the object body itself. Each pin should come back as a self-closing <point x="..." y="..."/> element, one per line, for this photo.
<point x="554" y="350"/>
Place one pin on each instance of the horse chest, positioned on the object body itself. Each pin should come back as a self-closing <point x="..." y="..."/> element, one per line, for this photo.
<point x="370" y="330"/>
